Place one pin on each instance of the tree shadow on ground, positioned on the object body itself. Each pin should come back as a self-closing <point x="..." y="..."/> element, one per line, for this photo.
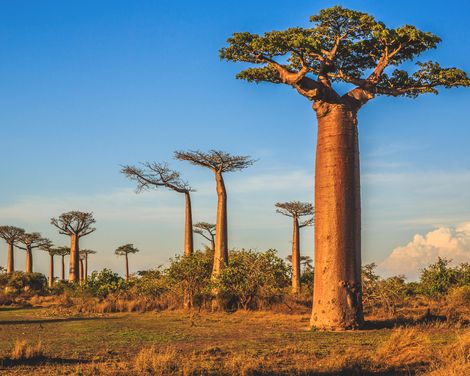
<point x="47" y="321"/>
<point x="345" y="372"/>
<point x="428" y="318"/>
<point x="38" y="361"/>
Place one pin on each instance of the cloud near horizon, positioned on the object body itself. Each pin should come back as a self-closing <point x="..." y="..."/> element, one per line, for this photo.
<point x="452" y="243"/>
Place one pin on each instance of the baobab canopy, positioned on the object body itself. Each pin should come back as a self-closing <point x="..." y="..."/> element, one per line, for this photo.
<point x="343" y="45"/>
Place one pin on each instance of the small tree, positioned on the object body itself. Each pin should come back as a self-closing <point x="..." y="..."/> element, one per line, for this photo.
<point x="62" y="252"/>
<point x="347" y="47"/>
<point x="30" y="242"/>
<point x="219" y="162"/>
<point x="75" y="224"/>
<point x="11" y="235"/>
<point x="207" y="231"/>
<point x="125" y="250"/>
<point x="156" y="175"/>
<point x="85" y="253"/>
<point x="296" y="210"/>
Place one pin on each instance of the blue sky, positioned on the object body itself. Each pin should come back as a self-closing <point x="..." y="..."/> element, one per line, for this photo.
<point x="90" y="85"/>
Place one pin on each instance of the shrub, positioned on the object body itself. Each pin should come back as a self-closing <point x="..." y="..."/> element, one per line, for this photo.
<point x="438" y="278"/>
<point x="151" y="362"/>
<point x="24" y="351"/>
<point x="103" y="283"/>
<point x="18" y="282"/>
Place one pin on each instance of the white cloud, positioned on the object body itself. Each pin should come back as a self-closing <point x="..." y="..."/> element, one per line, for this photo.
<point x="449" y="242"/>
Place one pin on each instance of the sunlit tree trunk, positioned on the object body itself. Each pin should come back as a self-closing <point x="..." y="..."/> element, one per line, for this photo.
<point x="188" y="230"/>
<point x="29" y="260"/>
<point x="85" y="269"/>
<point x="74" y="272"/>
<point x="337" y="302"/>
<point x="296" y="258"/>
<point x="81" y="270"/>
<point x="127" y="267"/>
<point x="51" y="269"/>
<point x="62" y="272"/>
<point x="11" y="259"/>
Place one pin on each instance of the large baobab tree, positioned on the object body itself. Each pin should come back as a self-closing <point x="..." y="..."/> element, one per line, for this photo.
<point x="124" y="250"/>
<point x="207" y="231"/>
<point x="85" y="253"/>
<point x="219" y="162"/>
<point x="75" y="224"/>
<point x="347" y="47"/>
<point x="155" y="175"/>
<point x="296" y="210"/>
<point x="62" y="252"/>
<point x="11" y="235"/>
<point x="29" y="242"/>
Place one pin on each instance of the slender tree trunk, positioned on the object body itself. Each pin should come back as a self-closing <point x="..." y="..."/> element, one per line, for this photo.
<point x="127" y="268"/>
<point x="29" y="260"/>
<point x="213" y="242"/>
<point x="11" y="259"/>
<point x="221" y="237"/>
<point x="337" y="295"/>
<point x="296" y="258"/>
<point x="74" y="265"/>
<point x="188" y="229"/>
<point x="85" y="272"/>
<point x="51" y="269"/>
<point x="81" y="270"/>
<point x="62" y="273"/>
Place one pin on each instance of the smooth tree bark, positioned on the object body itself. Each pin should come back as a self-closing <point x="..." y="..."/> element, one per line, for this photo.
<point x="30" y="242"/>
<point x="48" y="247"/>
<point x="219" y="162"/>
<point x="207" y="231"/>
<point x="62" y="252"/>
<point x="154" y="175"/>
<point x="85" y="253"/>
<point x="76" y="225"/>
<point x="125" y="250"/>
<point x="351" y="47"/>
<point x="11" y="235"/>
<point x="296" y="210"/>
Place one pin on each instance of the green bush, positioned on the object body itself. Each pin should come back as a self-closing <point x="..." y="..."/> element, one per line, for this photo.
<point x="18" y="282"/>
<point x="103" y="283"/>
<point x="438" y="278"/>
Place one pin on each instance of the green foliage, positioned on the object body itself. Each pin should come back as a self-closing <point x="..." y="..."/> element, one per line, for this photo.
<point x="103" y="283"/>
<point x="438" y="278"/>
<point x="342" y="45"/>
<point x="149" y="283"/>
<point x="18" y="282"/>
<point x="253" y="277"/>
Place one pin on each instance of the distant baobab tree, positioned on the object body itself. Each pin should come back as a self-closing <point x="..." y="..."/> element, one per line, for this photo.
<point x="62" y="252"/>
<point x="154" y="175"/>
<point x="31" y="241"/>
<point x="296" y="210"/>
<point x="75" y="224"/>
<point x="125" y="250"/>
<point x="81" y="268"/>
<point x="11" y="235"/>
<point x="207" y="231"/>
<point x="85" y="253"/>
<point x="219" y="162"/>
<point x="351" y="47"/>
<point x="49" y="248"/>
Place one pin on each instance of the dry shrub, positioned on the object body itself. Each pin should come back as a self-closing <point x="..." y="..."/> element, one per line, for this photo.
<point x="454" y="359"/>
<point x="24" y="351"/>
<point x="151" y="362"/>
<point x="406" y="347"/>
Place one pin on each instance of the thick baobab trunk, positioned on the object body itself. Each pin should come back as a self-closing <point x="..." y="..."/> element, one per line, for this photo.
<point x="11" y="259"/>
<point x="74" y="272"/>
<point x="296" y="258"/>
<point x="51" y="270"/>
<point x="127" y="268"/>
<point x="188" y="229"/>
<point x="29" y="260"/>
<point x="221" y="246"/>
<point x="337" y="295"/>
<point x="62" y="272"/>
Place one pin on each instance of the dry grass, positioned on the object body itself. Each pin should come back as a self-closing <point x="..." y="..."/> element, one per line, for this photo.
<point x="22" y="350"/>
<point x="149" y="361"/>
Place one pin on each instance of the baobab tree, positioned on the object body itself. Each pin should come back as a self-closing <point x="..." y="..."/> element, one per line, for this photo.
<point x="75" y="224"/>
<point x="219" y="162"/>
<point x="155" y="175"/>
<point x="31" y="241"/>
<point x="49" y="248"/>
<point x="207" y="231"/>
<point x="81" y="268"/>
<point x="62" y="252"/>
<point x="85" y="253"/>
<point x="124" y="250"/>
<point x="342" y="46"/>
<point x="11" y="235"/>
<point x="296" y="210"/>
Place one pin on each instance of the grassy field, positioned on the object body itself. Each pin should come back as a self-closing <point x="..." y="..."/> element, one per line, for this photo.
<point x="175" y="342"/>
